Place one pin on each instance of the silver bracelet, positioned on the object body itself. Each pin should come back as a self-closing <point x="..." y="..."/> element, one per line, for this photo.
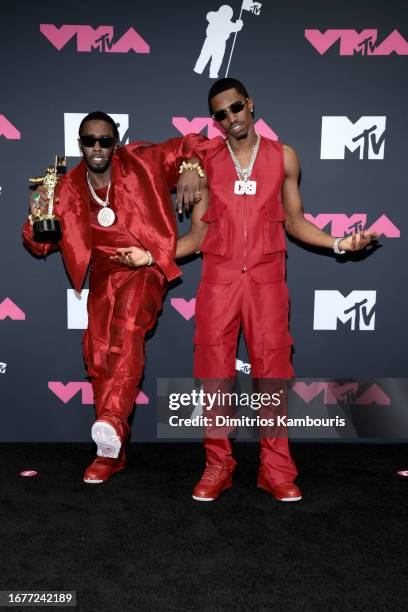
<point x="151" y="260"/>
<point x="336" y="246"/>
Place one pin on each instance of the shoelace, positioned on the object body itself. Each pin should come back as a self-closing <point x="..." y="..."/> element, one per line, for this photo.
<point x="212" y="473"/>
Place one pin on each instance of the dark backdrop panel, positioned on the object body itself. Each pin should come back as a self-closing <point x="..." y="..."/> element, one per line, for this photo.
<point x="294" y="86"/>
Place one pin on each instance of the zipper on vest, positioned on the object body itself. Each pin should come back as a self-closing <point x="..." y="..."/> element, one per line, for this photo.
<point x="244" y="269"/>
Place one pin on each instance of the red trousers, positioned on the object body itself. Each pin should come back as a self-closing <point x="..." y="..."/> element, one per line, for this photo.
<point x="262" y="311"/>
<point x="122" y="306"/>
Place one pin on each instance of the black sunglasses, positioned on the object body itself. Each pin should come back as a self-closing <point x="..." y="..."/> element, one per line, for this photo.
<point x="235" y="108"/>
<point x="105" y="141"/>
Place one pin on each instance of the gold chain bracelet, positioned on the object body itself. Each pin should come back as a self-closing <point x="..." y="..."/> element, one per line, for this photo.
<point x="191" y="166"/>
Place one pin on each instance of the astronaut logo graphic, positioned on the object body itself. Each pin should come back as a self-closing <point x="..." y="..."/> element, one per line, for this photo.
<point x="220" y="27"/>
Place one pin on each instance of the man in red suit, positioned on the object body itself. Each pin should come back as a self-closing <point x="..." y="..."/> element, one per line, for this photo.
<point x="113" y="198"/>
<point x="254" y="197"/>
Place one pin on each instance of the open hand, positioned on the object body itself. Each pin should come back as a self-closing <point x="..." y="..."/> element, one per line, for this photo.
<point x="131" y="256"/>
<point x="358" y="241"/>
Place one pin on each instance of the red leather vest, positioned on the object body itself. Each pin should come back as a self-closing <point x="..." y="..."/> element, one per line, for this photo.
<point x="245" y="232"/>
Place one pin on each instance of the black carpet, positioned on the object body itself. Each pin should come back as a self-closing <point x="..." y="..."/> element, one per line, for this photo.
<point x="139" y="542"/>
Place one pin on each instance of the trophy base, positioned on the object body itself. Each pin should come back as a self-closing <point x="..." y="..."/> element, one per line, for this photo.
<point x="47" y="230"/>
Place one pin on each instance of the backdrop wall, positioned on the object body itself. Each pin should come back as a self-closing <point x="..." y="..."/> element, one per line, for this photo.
<point x="327" y="78"/>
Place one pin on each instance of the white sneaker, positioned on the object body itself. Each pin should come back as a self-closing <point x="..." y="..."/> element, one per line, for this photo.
<point x="107" y="440"/>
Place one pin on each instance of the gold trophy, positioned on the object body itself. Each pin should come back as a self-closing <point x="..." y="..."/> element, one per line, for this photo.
<point x="46" y="226"/>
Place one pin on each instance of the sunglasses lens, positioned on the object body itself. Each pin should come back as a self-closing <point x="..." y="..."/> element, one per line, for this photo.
<point x="220" y="115"/>
<point x="104" y="141"/>
<point x="237" y="107"/>
<point x="88" y="141"/>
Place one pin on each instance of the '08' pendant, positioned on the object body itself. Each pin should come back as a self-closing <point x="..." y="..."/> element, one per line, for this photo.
<point x="245" y="187"/>
<point x="106" y="217"/>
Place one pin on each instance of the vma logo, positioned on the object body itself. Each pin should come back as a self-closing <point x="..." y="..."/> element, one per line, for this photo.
<point x="9" y="309"/>
<point x="66" y="391"/>
<point x="356" y="310"/>
<point x="367" y="135"/>
<point x="71" y="126"/>
<point x="352" y="42"/>
<point x="335" y="393"/>
<point x="198" y="124"/>
<point x="342" y="225"/>
<point x="99" y="40"/>
<point x="8" y="130"/>
<point x="185" y="308"/>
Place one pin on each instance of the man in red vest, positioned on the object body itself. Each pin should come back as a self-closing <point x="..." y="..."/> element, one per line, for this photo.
<point x="113" y="198"/>
<point x="254" y="198"/>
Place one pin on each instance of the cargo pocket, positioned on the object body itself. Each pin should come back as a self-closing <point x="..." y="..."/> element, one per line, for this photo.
<point x="216" y="239"/>
<point x="273" y="232"/>
<point x="210" y="313"/>
<point x="273" y="311"/>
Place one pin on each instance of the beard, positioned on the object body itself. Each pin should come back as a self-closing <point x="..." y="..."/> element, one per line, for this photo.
<point x="98" y="168"/>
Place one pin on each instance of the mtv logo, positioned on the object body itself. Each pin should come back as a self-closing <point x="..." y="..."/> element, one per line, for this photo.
<point x="3" y="367"/>
<point x="253" y="7"/>
<point x="71" y="126"/>
<point x="366" y="135"/>
<point x="357" y="309"/>
<point x="77" y="314"/>
<point x="241" y="366"/>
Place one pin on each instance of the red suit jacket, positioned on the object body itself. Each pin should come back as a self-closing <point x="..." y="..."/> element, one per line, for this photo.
<point x="142" y="177"/>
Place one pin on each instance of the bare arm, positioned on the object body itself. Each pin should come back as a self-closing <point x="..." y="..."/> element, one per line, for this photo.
<point x="186" y="245"/>
<point x="300" y="228"/>
<point x="190" y="243"/>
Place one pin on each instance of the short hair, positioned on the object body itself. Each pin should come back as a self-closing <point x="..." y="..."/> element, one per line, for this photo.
<point x="100" y="116"/>
<point x="223" y="85"/>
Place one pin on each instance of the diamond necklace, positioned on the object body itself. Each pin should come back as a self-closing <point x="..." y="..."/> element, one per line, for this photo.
<point x="95" y="196"/>
<point x="245" y="173"/>
<point x="106" y="216"/>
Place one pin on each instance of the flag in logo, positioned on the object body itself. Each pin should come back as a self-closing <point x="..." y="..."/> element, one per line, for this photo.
<point x="253" y="7"/>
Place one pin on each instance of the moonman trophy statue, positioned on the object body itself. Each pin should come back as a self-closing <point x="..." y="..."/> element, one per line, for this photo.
<point x="46" y="226"/>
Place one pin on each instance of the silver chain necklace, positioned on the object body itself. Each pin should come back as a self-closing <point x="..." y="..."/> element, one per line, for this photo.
<point x="244" y="185"/>
<point x="106" y="216"/>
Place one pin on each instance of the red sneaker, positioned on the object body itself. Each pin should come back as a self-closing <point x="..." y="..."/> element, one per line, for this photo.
<point x="102" y="469"/>
<point x="286" y="491"/>
<point x="215" y="480"/>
